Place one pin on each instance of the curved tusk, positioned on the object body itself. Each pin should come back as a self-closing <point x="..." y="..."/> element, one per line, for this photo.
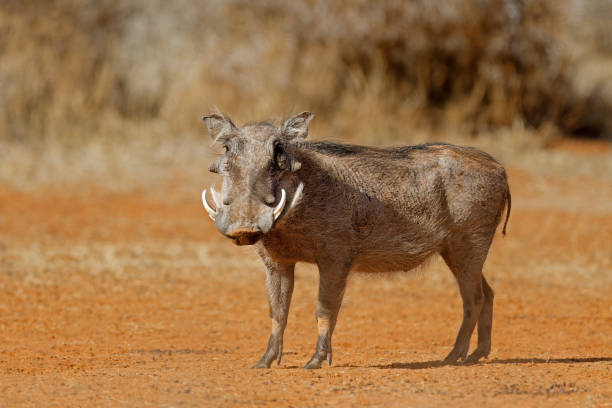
<point x="281" y="205"/>
<point x="215" y="198"/>
<point x="298" y="195"/>
<point x="211" y="213"/>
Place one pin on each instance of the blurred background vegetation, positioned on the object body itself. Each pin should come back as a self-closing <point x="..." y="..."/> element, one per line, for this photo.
<point x="385" y="72"/>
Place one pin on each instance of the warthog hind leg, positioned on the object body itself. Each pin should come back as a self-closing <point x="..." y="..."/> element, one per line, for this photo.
<point x="485" y="324"/>
<point x="465" y="257"/>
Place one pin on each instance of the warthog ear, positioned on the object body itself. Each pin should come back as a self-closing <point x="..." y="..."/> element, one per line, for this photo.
<point x="218" y="125"/>
<point x="296" y="127"/>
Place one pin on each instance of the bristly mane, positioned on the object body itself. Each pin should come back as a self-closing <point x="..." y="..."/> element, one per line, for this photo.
<point x="335" y="149"/>
<point x="344" y="150"/>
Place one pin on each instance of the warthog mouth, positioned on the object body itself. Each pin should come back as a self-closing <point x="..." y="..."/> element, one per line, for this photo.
<point x="246" y="238"/>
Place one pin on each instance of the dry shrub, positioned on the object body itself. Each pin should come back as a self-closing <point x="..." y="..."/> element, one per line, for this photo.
<point x="53" y="71"/>
<point x="480" y="64"/>
<point x="374" y="71"/>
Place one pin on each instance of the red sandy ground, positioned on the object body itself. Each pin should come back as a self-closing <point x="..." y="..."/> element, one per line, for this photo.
<point x="111" y="299"/>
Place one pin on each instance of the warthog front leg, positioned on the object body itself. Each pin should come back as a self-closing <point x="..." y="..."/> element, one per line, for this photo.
<point x="332" y="282"/>
<point x="279" y="283"/>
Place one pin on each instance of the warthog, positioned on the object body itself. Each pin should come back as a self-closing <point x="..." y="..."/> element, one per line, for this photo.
<point x="368" y="209"/>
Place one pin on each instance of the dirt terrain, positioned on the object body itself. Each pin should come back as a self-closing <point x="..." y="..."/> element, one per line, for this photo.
<point x="133" y="299"/>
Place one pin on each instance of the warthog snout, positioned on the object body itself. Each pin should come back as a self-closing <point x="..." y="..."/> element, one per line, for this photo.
<point x="244" y="220"/>
<point x="243" y="230"/>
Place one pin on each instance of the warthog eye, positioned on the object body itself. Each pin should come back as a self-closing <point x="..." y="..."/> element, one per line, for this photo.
<point x="280" y="157"/>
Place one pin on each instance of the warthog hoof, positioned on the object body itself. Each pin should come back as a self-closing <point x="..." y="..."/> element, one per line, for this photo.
<point x="324" y="351"/>
<point x="273" y="352"/>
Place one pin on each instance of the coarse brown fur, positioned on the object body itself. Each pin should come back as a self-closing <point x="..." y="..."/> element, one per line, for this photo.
<point x="361" y="209"/>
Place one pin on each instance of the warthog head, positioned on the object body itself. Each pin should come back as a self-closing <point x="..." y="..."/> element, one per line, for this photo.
<point x="255" y="167"/>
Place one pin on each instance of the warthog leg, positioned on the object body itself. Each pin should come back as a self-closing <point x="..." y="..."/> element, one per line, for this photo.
<point x="465" y="257"/>
<point x="485" y="324"/>
<point x="332" y="282"/>
<point x="279" y="283"/>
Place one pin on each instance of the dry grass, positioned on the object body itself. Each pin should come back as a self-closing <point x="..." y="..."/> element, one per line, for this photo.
<point x="112" y="91"/>
<point x="73" y="70"/>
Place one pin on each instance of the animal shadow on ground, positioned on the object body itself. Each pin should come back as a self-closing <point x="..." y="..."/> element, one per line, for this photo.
<point x="419" y="365"/>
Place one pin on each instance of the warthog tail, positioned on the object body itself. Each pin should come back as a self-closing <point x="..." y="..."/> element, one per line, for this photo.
<point x="508" y="206"/>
